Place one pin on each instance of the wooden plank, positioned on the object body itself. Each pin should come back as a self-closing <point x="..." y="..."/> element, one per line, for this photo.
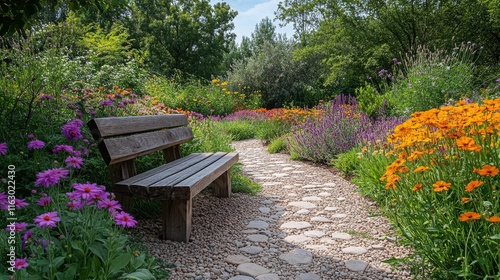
<point x="221" y="186"/>
<point x="200" y="180"/>
<point x="114" y="126"/>
<point x="176" y="218"/>
<point x="115" y="150"/>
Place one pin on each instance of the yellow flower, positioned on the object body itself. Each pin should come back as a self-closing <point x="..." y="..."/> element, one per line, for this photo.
<point x="421" y="169"/>
<point x="469" y="216"/>
<point x="440" y="186"/>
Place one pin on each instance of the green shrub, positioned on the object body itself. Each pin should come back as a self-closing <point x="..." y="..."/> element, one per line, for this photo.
<point x="430" y="79"/>
<point x="277" y="145"/>
<point x="239" y="130"/>
<point x="369" y="100"/>
<point x="347" y="162"/>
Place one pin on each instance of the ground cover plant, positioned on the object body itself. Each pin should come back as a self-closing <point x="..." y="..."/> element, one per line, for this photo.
<point x="441" y="169"/>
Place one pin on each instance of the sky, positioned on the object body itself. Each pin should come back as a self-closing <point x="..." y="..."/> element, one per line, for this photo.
<point x="250" y="13"/>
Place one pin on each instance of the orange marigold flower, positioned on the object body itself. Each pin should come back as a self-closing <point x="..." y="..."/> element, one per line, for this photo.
<point x="465" y="200"/>
<point x="468" y="144"/>
<point x="473" y="185"/>
<point x="494" y="219"/>
<point x="469" y="216"/>
<point x="417" y="187"/>
<point x="421" y="169"/>
<point x="440" y="186"/>
<point x="487" y="170"/>
<point x="403" y="169"/>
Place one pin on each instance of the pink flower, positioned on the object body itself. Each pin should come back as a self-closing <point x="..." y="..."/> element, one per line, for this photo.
<point x="87" y="191"/>
<point x="111" y="205"/>
<point x="50" y="177"/>
<point x="44" y="201"/>
<point x="18" y="227"/>
<point x="71" y="130"/>
<point x="3" y="148"/>
<point x="75" y="204"/>
<point x="17" y="202"/>
<point x="74" y="162"/>
<point x="62" y="148"/>
<point x="124" y="219"/>
<point x="36" y="145"/>
<point x="47" y="220"/>
<point x="21" y="263"/>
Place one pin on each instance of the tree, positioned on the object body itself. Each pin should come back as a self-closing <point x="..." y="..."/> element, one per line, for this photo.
<point x="264" y="32"/>
<point x="189" y="36"/>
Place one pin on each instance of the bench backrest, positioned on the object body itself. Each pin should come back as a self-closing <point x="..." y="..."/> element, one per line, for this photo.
<point x="124" y="138"/>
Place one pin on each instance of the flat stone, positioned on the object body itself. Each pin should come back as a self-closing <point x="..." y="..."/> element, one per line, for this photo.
<point x="329" y="208"/>
<point x="257" y="238"/>
<point x="311" y="198"/>
<point x="302" y="204"/>
<point x="314" y="233"/>
<point x="341" y="235"/>
<point x="339" y="216"/>
<point x="378" y="246"/>
<point x="265" y="210"/>
<point x="252" y="250"/>
<point x="268" y="276"/>
<point x="324" y="194"/>
<point x="355" y="250"/>
<point x="311" y="187"/>
<point x="249" y="231"/>
<point x="237" y="259"/>
<point x="292" y="194"/>
<point x="267" y="201"/>
<point x="296" y="225"/>
<point x="258" y="225"/>
<point x="317" y="247"/>
<point x="251" y="269"/>
<point x="279" y="208"/>
<point x="271" y="183"/>
<point x="321" y="220"/>
<point x="241" y="277"/>
<point x="308" y="276"/>
<point x="330" y="184"/>
<point x="280" y="175"/>
<point x="298" y="171"/>
<point x="303" y="212"/>
<point x="356" y="265"/>
<point x="287" y="168"/>
<point x="297" y="238"/>
<point x="297" y="256"/>
<point x="341" y="198"/>
<point x="327" y="240"/>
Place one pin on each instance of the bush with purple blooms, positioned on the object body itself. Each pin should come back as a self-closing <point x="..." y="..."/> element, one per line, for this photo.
<point x="66" y="228"/>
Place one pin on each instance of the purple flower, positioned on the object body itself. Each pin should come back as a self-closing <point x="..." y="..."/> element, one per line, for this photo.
<point x="50" y="177"/>
<point x="498" y="80"/>
<point x="31" y="136"/>
<point x="87" y="191"/>
<point x="74" y="162"/>
<point x="3" y="199"/>
<point x="71" y="130"/>
<point x="44" y="201"/>
<point x="106" y="102"/>
<point x="48" y="219"/>
<point x="21" y="263"/>
<point x="124" y="219"/>
<point x="17" y="227"/>
<point x="17" y="202"/>
<point x="111" y="205"/>
<point x="3" y="148"/>
<point x="27" y="235"/>
<point x="382" y="72"/>
<point x="36" y="145"/>
<point x="62" y="148"/>
<point x="75" y="204"/>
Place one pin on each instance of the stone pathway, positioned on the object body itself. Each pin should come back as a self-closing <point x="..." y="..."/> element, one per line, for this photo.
<point x="306" y="224"/>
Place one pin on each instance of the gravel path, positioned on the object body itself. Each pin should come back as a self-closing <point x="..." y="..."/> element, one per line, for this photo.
<point x="306" y="224"/>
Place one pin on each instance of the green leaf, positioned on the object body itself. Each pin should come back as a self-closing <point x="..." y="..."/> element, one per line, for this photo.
<point x="496" y="236"/>
<point x="487" y="204"/>
<point x="99" y="250"/>
<point x="140" y="274"/>
<point x="57" y="262"/>
<point x="119" y="262"/>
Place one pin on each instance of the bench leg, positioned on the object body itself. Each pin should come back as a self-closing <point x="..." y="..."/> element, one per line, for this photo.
<point x="222" y="186"/>
<point x="125" y="201"/>
<point x="176" y="220"/>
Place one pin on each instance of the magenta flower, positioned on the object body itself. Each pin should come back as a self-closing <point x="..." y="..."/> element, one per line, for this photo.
<point x="71" y="130"/>
<point x="100" y="196"/>
<point x="44" y="201"/>
<point x="50" y="177"/>
<point x="106" y="102"/>
<point x="47" y="220"/>
<point x="3" y="148"/>
<point x="124" y="219"/>
<point x="27" y="235"/>
<point x="21" y="263"/>
<point x="17" y="227"/>
<point x="3" y="199"/>
<point x="112" y="205"/>
<point x="75" y="204"/>
<point x="62" y="148"/>
<point x="74" y="162"/>
<point x="36" y="145"/>
<point x="31" y="136"/>
<point x="17" y="202"/>
<point x="87" y="191"/>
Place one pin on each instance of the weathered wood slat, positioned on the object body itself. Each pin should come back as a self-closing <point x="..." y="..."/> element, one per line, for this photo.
<point x="202" y="179"/>
<point x="115" y="150"/>
<point x="107" y="127"/>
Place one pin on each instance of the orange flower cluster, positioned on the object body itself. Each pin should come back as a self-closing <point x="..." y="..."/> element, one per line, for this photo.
<point x="431" y="141"/>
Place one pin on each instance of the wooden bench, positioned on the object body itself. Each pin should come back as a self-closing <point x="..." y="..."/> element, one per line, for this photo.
<point x="122" y="139"/>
